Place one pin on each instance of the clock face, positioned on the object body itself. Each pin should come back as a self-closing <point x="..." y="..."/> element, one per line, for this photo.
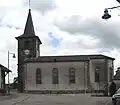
<point x="26" y="52"/>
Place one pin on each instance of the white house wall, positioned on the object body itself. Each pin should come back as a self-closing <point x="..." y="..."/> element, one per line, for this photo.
<point x="46" y="68"/>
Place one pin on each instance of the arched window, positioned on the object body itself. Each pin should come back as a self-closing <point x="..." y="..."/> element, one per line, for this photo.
<point x="72" y="76"/>
<point x="38" y="76"/>
<point x="97" y="74"/>
<point x="55" y="77"/>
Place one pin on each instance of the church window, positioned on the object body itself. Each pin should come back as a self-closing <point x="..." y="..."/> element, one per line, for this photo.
<point x="54" y="60"/>
<point x="38" y="76"/>
<point x="71" y="75"/>
<point x="97" y="74"/>
<point x="55" y="77"/>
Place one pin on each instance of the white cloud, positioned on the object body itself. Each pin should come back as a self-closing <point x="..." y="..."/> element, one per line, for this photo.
<point x="107" y="34"/>
<point x="43" y="6"/>
<point x="10" y="3"/>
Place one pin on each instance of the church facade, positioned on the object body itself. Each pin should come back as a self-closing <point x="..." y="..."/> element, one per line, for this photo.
<point x="68" y="73"/>
<point x="72" y="73"/>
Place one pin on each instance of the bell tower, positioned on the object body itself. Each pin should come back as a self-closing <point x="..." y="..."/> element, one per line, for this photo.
<point x="27" y="41"/>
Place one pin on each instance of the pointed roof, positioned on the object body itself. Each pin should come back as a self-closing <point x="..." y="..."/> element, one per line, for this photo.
<point x="29" y="29"/>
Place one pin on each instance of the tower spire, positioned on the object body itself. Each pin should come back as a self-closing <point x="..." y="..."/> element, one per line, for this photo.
<point x="29" y="31"/>
<point x="29" y="27"/>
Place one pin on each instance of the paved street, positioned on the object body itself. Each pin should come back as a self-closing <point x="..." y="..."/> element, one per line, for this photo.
<point x="3" y="98"/>
<point x="57" y="100"/>
<point x="110" y="103"/>
<point x="81" y="99"/>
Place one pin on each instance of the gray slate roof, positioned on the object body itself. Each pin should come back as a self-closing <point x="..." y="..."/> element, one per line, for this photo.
<point x="68" y="58"/>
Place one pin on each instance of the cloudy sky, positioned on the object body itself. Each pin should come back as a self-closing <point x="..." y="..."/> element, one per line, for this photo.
<point x="64" y="27"/>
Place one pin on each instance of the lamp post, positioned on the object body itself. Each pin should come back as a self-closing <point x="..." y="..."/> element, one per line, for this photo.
<point x="8" y="69"/>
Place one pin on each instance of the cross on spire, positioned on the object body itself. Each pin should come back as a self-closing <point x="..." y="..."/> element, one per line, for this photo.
<point x="29" y="5"/>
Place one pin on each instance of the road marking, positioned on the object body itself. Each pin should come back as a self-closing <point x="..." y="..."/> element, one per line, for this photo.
<point x="20" y="101"/>
<point x="107" y="102"/>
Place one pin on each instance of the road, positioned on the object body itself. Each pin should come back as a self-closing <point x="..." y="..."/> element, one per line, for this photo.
<point x="56" y="100"/>
<point x="110" y="103"/>
<point x="106" y="103"/>
<point x="3" y="98"/>
<point x="63" y="100"/>
<point x="34" y="99"/>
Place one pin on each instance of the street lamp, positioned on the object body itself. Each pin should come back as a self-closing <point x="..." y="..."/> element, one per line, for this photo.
<point x="106" y="13"/>
<point x="8" y="69"/>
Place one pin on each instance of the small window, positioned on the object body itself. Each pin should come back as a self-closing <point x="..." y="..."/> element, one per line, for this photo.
<point x="38" y="76"/>
<point x="55" y="77"/>
<point x="72" y="76"/>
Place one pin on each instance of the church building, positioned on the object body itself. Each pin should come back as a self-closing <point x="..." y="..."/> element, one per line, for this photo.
<point x="67" y="74"/>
